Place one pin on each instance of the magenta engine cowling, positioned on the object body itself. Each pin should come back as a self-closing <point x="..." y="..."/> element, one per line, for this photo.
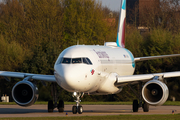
<point x="25" y="93"/>
<point x="155" y="92"/>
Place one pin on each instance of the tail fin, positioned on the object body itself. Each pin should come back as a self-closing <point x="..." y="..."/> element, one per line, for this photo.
<point x="121" y="27"/>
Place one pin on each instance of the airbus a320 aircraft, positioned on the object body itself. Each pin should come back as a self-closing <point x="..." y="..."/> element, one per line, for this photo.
<point x="96" y="70"/>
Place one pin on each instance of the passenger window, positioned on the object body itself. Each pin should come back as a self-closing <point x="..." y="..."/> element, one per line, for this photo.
<point x="66" y="60"/>
<point x="89" y="61"/>
<point x="85" y="61"/>
<point x="76" y="60"/>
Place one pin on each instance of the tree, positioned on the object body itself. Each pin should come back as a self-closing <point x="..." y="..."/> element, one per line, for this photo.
<point x="85" y="24"/>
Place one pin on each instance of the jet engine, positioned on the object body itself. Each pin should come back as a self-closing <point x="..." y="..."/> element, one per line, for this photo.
<point x="155" y="92"/>
<point x="25" y="93"/>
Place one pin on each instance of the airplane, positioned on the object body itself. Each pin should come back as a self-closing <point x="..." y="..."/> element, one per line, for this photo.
<point x="96" y="70"/>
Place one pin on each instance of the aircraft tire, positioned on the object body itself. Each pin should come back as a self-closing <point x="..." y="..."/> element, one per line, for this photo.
<point x="74" y="109"/>
<point x="135" y="106"/>
<point x="61" y="106"/>
<point x="146" y="107"/>
<point x="80" y="109"/>
<point x="50" y="106"/>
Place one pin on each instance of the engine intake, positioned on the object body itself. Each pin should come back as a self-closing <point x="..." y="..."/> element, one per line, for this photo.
<point x="155" y="92"/>
<point x="25" y="93"/>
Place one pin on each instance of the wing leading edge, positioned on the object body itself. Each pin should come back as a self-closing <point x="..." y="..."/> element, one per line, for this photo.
<point x="145" y="77"/>
<point x="155" y="57"/>
<point x="48" y="78"/>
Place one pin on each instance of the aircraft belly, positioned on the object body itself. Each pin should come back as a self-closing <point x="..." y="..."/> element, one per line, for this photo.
<point x="107" y="85"/>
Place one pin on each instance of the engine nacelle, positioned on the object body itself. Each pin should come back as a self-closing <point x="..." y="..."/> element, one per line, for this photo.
<point x="155" y="92"/>
<point x="25" y="93"/>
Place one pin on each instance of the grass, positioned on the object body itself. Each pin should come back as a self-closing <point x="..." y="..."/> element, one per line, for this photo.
<point x="176" y="103"/>
<point x="117" y="117"/>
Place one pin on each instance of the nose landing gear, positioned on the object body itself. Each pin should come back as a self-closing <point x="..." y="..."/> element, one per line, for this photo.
<point x="77" y="108"/>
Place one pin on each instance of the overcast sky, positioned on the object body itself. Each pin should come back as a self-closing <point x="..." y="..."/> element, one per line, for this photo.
<point x="112" y="4"/>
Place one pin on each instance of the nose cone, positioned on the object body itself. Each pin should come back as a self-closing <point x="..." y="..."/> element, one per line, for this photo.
<point x="71" y="77"/>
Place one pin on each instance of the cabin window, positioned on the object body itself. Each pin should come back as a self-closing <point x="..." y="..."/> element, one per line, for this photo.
<point x="66" y="60"/>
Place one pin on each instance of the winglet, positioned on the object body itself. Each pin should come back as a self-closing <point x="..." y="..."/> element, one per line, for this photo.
<point x="121" y="27"/>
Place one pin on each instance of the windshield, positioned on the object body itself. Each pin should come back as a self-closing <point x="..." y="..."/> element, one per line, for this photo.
<point x="74" y="61"/>
<point x="66" y="60"/>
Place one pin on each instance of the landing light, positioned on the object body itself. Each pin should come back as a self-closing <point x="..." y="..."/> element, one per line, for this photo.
<point x="74" y="94"/>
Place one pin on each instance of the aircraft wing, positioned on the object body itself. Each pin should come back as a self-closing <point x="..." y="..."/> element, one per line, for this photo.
<point x="48" y="78"/>
<point x="155" y="57"/>
<point x="132" y="79"/>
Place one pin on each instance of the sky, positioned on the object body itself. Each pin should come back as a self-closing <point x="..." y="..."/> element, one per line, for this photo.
<point x="114" y="5"/>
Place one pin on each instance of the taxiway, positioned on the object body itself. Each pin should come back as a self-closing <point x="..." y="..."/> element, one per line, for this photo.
<point x="88" y="110"/>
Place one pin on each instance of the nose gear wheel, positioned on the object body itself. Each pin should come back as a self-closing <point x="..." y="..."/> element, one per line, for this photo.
<point x="77" y="108"/>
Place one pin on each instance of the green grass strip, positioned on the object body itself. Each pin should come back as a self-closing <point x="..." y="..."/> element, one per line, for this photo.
<point x="117" y="117"/>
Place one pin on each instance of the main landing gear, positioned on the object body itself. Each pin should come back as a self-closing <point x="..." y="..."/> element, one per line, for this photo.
<point x="136" y="105"/>
<point x="51" y="105"/>
<point x="77" y="108"/>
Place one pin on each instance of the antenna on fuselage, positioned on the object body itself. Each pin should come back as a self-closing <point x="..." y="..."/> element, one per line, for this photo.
<point x="77" y="42"/>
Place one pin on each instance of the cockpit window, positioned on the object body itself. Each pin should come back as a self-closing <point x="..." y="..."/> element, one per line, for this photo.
<point x="59" y="60"/>
<point x="66" y="60"/>
<point x="89" y="61"/>
<point x="85" y="61"/>
<point x="76" y="60"/>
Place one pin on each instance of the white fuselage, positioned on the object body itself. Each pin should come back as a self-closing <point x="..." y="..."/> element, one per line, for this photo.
<point x="74" y="73"/>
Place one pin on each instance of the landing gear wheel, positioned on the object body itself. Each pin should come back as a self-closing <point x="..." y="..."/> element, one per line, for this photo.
<point x="50" y="106"/>
<point x="135" y="106"/>
<point x="74" y="109"/>
<point x="80" y="109"/>
<point x="61" y="106"/>
<point x="146" y="107"/>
